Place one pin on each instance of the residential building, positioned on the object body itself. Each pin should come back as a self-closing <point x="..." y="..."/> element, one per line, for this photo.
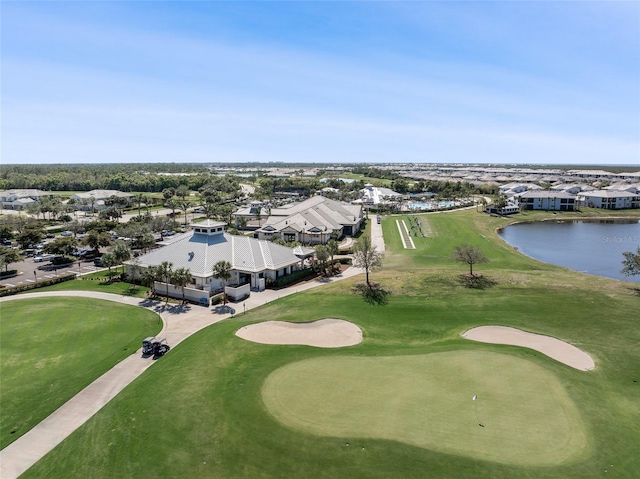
<point x="609" y="199"/>
<point x="95" y="199"/>
<point x="547" y="200"/>
<point x="17" y="199"/>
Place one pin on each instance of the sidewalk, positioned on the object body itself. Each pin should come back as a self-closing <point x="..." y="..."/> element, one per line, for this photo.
<point x="377" y="239"/>
<point x="179" y="322"/>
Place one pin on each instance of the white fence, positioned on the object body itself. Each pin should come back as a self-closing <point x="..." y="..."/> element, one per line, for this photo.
<point x="190" y="294"/>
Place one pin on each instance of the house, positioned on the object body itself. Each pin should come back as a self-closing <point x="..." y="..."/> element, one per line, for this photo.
<point x="609" y="199"/>
<point x="313" y="221"/>
<point x="17" y="199"/>
<point x="252" y="261"/>
<point x="547" y="200"/>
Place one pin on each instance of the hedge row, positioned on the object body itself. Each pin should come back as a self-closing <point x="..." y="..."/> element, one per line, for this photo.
<point x="11" y="272"/>
<point x="39" y="284"/>
<point x="296" y="276"/>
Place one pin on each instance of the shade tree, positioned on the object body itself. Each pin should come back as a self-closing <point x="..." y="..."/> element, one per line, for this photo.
<point x="470" y="255"/>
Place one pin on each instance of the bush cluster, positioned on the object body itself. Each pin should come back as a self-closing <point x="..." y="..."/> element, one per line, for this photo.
<point x="39" y="284"/>
<point x="296" y="276"/>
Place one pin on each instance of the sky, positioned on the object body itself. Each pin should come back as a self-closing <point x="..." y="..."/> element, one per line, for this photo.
<point x="535" y="82"/>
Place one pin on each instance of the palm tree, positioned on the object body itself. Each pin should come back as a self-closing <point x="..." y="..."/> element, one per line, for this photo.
<point x="165" y="270"/>
<point x="222" y="270"/>
<point x="182" y="277"/>
<point x="135" y="269"/>
<point x="149" y="276"/>
<point x="139" y="198"/>
<point x="184" y="206"/>
<point x="174" y="205"/>
<point x="92" y="201"/>
<point x="333" y="249"/>
<point x="121" y="252"/>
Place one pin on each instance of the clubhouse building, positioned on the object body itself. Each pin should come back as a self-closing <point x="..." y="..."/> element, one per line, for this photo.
<point x="313" y="221"/>
<point x="252" y="261"/>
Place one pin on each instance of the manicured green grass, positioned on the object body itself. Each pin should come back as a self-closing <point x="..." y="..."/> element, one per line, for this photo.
<point x="95" y="284"/>
<point x="52" y="348"/>
<point x="523" y="414"/>
<point x="199" y="412"/>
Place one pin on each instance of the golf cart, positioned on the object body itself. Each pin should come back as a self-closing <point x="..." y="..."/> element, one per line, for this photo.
<point x="147" y="345"/>
<point x="160" y="346"/>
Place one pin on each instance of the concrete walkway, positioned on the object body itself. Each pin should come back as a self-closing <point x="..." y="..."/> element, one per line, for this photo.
<point x="377" y="239"/>
<point x="179" y="322"/>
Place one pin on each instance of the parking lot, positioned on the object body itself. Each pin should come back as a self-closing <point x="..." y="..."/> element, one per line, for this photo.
<point x="29" y="271"/>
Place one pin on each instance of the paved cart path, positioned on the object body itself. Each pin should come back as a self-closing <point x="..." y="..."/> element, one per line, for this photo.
<point x="179" y="322"/>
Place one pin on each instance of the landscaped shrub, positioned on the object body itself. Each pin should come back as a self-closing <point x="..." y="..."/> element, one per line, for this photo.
<point x="296" y="276"/>
<point x="217" y="298"/>
<point x="11" y="272"/>
<point x="39" y="284"/>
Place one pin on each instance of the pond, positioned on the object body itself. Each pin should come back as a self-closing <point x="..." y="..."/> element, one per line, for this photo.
<point x="593" y="247"/>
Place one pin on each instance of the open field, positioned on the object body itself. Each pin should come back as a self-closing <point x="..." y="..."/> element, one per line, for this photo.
<point x="200" y="412"/>
<point x="53" y="348"/>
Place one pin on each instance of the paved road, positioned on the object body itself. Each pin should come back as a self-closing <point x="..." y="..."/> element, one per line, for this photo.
<point x="179" y="322"/>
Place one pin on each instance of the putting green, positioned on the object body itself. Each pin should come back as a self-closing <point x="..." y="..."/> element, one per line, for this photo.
<point x="426" y="400"/>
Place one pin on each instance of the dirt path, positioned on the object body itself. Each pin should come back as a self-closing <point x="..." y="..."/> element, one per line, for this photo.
<point x="179" y="322"/>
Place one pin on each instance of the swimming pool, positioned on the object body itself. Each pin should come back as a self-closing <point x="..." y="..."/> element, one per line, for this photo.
<point x="421" y="205"/>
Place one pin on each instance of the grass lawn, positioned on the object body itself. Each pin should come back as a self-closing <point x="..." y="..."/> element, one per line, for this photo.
<point x="98" y="282"/>
<point x="201" y="411"/>
<point x="52" y="348"/>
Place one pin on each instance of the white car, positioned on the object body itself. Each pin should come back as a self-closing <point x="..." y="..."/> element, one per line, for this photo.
<point x="66" y="233"/>
<point x="43" y="258"/>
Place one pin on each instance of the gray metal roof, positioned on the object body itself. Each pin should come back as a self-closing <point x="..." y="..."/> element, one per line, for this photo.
<point x="199" y="252"/>
<point x="317" y="213"/>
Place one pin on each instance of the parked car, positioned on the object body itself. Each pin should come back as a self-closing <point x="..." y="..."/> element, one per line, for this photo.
<point x="97" y="261"/>
<point x="43" y="258"/>
<point x="168" y="233"/>
<point x="58" y="260"/>
<point x="49" y="235"/>
<point x="6" y="242"/>
<point x="66" y="233"/>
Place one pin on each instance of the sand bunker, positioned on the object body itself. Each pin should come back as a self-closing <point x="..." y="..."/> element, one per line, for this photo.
<point x="324" y="333"/>
<point x="552" y="347"/>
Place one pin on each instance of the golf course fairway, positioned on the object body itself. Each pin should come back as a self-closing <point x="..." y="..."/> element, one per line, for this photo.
<point x="521" y="413"/>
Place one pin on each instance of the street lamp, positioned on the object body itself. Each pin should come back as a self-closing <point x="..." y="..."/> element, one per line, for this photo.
<point x="35" y="276"/>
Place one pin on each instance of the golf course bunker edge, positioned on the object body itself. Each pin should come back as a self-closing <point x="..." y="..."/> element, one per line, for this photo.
<point x="549" y="346"/>
<point x="323" y="333"/>
<point x="479" y="404"/>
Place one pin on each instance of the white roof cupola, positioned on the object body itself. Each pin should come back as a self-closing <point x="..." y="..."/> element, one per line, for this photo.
<point x="209" y="227"/>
